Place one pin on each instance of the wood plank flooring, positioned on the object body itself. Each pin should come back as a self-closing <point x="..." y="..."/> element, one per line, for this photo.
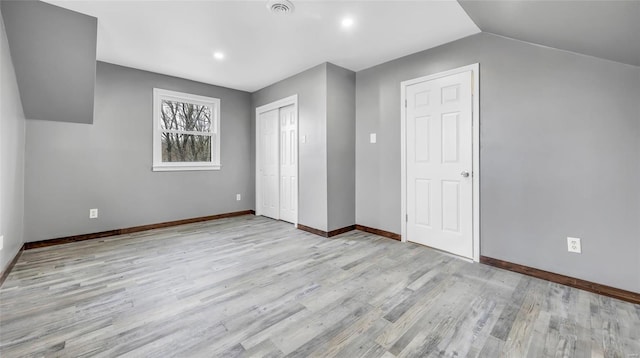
<point x="254" y="287"/>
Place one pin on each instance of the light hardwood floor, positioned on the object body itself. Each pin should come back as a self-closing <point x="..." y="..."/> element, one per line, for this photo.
<point x="250" y="286"/>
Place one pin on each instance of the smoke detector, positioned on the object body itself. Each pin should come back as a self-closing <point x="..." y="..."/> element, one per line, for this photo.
<point x="280" y="6"/>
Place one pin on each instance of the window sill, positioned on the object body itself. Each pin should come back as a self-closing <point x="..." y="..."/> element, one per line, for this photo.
<point x="180" y="168"/>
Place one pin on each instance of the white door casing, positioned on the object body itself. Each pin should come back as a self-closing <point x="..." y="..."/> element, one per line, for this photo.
<point x="277" y="160"/>
<point x="440" y="162"/>
<point x="288" y="164"/>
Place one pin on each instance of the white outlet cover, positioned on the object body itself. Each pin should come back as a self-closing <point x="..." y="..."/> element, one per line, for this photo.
<point x="573" y="245"/>
<point x="93" y="213"/>
<point x="372" y="138"/>
<point x="238" y="197"/>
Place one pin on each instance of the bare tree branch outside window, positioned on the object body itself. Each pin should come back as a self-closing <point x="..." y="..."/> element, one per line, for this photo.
<point x="186" y="132"/>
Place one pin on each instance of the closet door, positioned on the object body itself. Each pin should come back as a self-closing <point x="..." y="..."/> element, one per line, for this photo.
<point x="269" y="164"/>
<point x="288" y="164"/>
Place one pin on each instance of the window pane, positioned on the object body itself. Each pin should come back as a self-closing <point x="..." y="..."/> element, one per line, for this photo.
<point x="185" y="147"/>
<point x="183" y="116"/>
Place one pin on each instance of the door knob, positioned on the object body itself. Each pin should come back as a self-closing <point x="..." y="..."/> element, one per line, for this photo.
<point x="465" y="174"/>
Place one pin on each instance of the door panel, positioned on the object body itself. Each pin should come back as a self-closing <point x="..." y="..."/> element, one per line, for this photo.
<point x="450" y="132"/>
<point x="439" y="151"/>
<point x="451" y="206"/>
<point x="423" y="207"/>
<point x="422" y="131"/>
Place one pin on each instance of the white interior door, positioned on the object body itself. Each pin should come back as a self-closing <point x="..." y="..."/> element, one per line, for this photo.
<point x="288" y="164"/>
<point x="269" y="164"/>
<point x="439" y="162"/>
<point x="277" y="160"/>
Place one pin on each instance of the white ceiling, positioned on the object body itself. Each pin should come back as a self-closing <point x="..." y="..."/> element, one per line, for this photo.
<point x="179" y="38"/>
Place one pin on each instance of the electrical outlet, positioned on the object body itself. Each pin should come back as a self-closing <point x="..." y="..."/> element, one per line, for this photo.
<point x="93" y="213"/>
<point x="238" y="197"/>
<point x="372" y="138"/>
<point x="573" y="245"/>
<point x="1" y="241"/>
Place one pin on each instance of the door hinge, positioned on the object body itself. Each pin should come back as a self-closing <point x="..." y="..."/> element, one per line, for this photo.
<point x="406" y="217"/>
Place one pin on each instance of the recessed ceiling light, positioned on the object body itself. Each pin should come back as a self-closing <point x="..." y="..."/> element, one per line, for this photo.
<point x="218" y="55"/>
<point x="347" y="22"/>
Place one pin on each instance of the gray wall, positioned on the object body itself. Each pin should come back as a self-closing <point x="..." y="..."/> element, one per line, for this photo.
<point x="341" y="149"/>
<point x="71" y="168"/>
<point x="12" y="139"/>
<point x="54" y="53"/>
<point x="311" y="88"/>
<point x="560" y="154"/>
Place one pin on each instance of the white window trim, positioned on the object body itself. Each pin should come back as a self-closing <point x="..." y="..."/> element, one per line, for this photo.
<point x="214" y="103"/>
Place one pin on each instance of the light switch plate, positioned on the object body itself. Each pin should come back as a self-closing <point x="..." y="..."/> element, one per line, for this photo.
<point x="372" y="138"/>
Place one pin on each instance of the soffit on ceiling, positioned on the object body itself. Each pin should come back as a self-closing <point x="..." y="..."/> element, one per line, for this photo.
<point x="604" y="29"/>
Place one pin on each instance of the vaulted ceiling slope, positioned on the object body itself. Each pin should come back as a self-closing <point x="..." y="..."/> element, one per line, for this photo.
<point x="54" y="54"/>
<point x="605" y="29"/>
<point x="179" y="38"/>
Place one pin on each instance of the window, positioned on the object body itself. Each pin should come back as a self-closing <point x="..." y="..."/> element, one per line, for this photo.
<point x="186" y="131"/>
